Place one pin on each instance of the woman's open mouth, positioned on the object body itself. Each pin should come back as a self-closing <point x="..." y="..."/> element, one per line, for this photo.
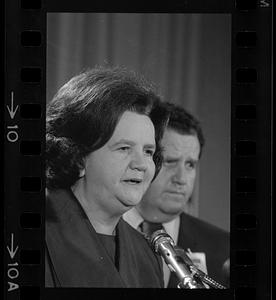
<point x="133" y="181"/>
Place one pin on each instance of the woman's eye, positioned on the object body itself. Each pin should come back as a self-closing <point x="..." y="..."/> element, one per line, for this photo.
<point x="124" y="148"/>
<point x="149" y="152"/>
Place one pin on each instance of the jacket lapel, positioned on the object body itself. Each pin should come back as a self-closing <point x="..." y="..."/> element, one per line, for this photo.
<point x="186" y="235"/>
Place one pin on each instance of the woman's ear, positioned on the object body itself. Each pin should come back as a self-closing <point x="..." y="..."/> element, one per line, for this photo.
<point x="82" y="173"/>
<point x="82" y="168"/>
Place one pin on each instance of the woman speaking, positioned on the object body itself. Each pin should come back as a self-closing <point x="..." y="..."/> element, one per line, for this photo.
<point x="103" y="130"/>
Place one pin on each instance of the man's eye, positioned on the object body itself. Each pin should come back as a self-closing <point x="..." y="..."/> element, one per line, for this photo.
<point x="169" y="162"/>
<point x="191" y="165"/>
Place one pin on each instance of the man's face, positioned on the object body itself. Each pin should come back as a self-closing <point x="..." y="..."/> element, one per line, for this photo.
<point x="118" y="174"/>
<point x="173" y="187"/>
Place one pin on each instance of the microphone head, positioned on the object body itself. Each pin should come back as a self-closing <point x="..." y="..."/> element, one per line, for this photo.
<point x="158" y="237"/>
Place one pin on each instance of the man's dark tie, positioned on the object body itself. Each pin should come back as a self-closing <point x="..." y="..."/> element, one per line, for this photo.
<point x="149" y="228"/>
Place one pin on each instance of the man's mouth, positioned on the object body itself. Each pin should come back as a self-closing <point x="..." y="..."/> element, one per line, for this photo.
<point x="176" y="193"/>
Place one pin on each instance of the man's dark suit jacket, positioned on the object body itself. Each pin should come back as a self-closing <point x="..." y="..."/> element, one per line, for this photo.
<point x="75" y="257"/>
<point x="201" y="236"/>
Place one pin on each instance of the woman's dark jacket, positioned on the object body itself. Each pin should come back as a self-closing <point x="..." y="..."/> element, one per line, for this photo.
<point x="75" y="256"/>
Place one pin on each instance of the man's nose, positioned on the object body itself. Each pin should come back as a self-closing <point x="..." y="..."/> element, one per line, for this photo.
<point x="138" y="161"/>
<point x="180" y="176"/>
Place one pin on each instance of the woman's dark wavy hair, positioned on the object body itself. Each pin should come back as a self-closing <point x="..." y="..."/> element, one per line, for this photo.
<point x="83" y="115"/>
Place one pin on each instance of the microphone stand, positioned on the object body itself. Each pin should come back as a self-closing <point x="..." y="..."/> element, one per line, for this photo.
<point x="178" y="261"/>
<point x="196" y="273"/>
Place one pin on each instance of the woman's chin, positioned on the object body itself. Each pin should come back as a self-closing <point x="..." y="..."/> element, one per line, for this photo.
<point x="131" y="201"/>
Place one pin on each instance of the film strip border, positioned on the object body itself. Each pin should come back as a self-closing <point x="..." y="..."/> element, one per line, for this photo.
<point x="251" y="150"/>
<point x="24" y="144"/>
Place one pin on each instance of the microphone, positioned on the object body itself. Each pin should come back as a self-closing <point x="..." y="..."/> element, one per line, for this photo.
<point x="226" y="271"/>
<point x="164" y="245"/>
<point x="178" y="261"/>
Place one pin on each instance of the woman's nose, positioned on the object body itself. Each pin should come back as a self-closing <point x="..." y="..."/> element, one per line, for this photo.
<point x="138" y="161"/>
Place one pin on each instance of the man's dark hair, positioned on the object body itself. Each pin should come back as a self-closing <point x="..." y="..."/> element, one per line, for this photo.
<point x="83" y="115"/>
<point x="183" y="122"/>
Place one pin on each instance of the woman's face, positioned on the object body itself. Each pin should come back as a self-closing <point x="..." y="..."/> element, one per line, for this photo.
<point x="118" y="174"/>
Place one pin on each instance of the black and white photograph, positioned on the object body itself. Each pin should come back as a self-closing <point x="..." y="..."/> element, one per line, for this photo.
<point x="138" y="123"/>
<point x="138" y="147"/>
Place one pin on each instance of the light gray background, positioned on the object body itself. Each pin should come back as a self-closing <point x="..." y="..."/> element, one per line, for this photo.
<point x="187" y="56"/>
